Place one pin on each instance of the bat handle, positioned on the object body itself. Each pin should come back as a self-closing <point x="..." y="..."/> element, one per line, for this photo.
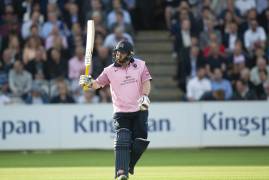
<point x="87" y="70"/>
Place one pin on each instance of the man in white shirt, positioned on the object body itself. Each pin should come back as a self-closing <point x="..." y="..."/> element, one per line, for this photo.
<point x="254" y="36"/>
<point x="198" y="85"/>
<point x="112" y="39"/>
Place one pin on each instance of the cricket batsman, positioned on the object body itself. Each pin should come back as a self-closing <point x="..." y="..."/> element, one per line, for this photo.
<point x="129" y="81"/>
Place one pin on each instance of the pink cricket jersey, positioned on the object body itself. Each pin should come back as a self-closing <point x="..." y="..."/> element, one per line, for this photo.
<point x="125" y="84"/>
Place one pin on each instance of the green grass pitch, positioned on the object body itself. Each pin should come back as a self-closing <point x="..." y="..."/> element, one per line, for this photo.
<point x="175" y="164"/>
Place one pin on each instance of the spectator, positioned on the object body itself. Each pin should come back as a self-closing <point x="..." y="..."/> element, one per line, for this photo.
<point x="231" y="36"/>
<point x="260" y="66"/>
<point x="63" y="96"/>
<point x="127" y="27"/>
<point x="56" y="66"/>
<point x="170" y="9"/>
<point x="76" y="38"/>
<point x="243" y="92"/>
<point x="37" y="96"/>
<point x="71" y="14"/>
<point x="20" y="81"/>
<point x="205" y="35"/>
<point x="260" y="88"/>
<point x="219" y="83"/>
<point x="7" y="60"/>
<point x="255" y="36"/>
<point x="234" y="12"/>
<point x="198" y="85"/>
<point x="99" y="23"/>
<point x="245" y="5"/>
<point x="112" y="39"/>
<point x="55" y="36"/>
<point x="215" y="60"/>
<point x="30" y="49"/>
<point x="51" y="23"/>
<point x="214" y="95"/>
<point x="38" y="63"/>
<point x="26" y="26"/>
<point x="266" y="87"/>
<point x="4" y="95"/>
<point x="111" y="17"/>
<point x="88" y="97"/>
<point x="76" y="65"/>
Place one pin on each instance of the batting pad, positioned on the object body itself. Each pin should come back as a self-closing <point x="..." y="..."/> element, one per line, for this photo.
<point x="122" y="151"/>
<point x="138" y="148"/>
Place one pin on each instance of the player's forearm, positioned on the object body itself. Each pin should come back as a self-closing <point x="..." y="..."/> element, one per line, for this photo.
<point x="146" y="88"/>
<point x="95" y="85"/>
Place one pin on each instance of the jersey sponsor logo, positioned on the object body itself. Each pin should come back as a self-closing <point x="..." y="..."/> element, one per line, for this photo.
<point x="19" y="127"/>
<point x="242" y="125"/>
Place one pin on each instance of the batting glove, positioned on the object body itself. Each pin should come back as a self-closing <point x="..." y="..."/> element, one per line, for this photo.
<point x="144" y="103"/>
<point x="86" y="80"/>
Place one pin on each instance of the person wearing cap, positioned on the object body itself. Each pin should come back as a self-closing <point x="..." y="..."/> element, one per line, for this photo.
<point x="129" y="81"/>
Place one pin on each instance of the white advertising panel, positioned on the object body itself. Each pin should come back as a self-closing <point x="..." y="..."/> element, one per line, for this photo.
<point x="170" y="125"/>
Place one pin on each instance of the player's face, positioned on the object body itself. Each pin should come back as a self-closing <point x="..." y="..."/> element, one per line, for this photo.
<point x="121" y="56"/>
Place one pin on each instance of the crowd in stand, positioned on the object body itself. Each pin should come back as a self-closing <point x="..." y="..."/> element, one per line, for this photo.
<point x="42" y="47"/>
<point x="221" y="48"/>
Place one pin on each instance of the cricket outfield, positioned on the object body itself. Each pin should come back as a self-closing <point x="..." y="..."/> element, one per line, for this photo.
<point x="175" y="164"/>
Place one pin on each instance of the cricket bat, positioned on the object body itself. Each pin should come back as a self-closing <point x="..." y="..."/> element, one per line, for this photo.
<point x="89" y="48"/>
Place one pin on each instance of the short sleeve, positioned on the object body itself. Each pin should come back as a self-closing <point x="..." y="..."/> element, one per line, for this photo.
<point x="102" y="79"/>
<point x="145" y="74"/>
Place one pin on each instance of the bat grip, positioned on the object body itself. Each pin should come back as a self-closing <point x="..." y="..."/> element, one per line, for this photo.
<point x="87" y="70"/>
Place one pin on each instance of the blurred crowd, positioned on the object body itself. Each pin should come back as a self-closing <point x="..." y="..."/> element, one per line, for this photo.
<point x="42" y="46"/>
<point x="221" y="48"/>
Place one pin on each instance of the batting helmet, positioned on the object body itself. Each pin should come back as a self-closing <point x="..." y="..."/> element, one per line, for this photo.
<point x="126" y="47"/>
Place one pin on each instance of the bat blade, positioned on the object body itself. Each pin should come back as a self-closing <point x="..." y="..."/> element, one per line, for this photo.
<point x="89" y="47"/>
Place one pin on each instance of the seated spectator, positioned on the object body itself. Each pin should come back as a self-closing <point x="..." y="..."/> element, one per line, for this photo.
<point x="255" y="36"/>
<point x="213" y="39"/>
<point x="198" y="85"/>
<point x="214" y="95"/>
<point x="20" y="81"/>
<point x="215" y="60"/>
<point x="170" y="9"/>
<point x="260" y="66"/>
<point x="38" y="63"/>
<point x="235" y="12"/>
<point x="245" y="76"/>
<point x="205" y="35"/>
<point x="266" y="87"/>
<point x="50" y="23"/>
<point x="112" y="39"/>
<point x="231" y="37"/>
<point x="4" y="95"/>
<point x="55" y="36"/>
<point x="30" y="49"/>
<point x="26" y="26"/>
<point x="64" y="96"/>
<point x="76" y="38"/>
<point x="56" y="65"/>
<point x="37" y="96"/>
<point x="111" y="17"/>
<point x="127" y="27"/>
<point x="243" y="92"/>
<point x="260" y="90"/>
<point x="245" y="5"/>
<point x="99" y="23"/>
<point x="71" y="14"/>
<point x="188" y="66"/>
<point x="88" y="97"/>
<point x="76" y="67"/>
<point x="7" y="61"/>
<point x="219" y="83"/>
